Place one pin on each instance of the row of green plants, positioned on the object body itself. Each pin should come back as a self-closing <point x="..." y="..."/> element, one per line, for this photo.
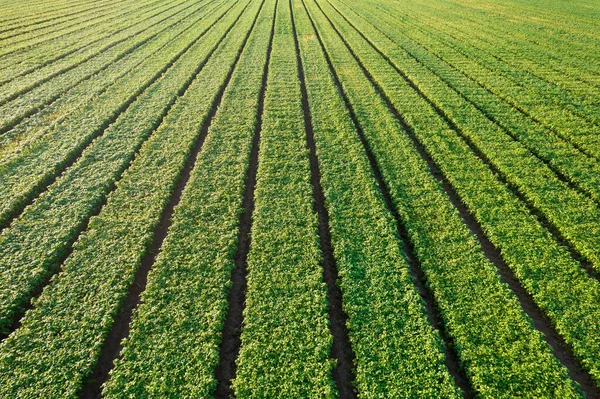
<point x="33" y="32"/>
<point x="184" y="305"/>
<point x="28" y="172"/>
<point x="33" y="54"/>
<point x="40" y="237"/>
<point x="565" y="58"/>
<point x="557" y="283"/>
<point x="43" y="22"/>
<point x="37" y="125"/>
<point x="572" y="22"/>
<point x="39" y="64"/>
<point x="558" y="88"/>
<point x="573" y="214"/>
<point x="20" y="16"/>
<point x="581" y="170"/>
<point x="21" y="78"/>
<point x="34" y="93"/>
<point x="379" y="296"/>
<point x="61" y="338"/>
<point x="501" y="352"/>
<point x="285" y="337"/>
<point x="547" y="104"/>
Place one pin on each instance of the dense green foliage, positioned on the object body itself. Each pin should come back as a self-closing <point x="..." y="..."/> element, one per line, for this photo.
<point x="37" y="91"/>
<point x="41" y="122"/>
<point x="191" y="275"/>
<point x="555" y="284"/>
<point x="80" y="190"/>
<point x="439" y="158"/>
<point x="380" y="298"/>
<point x="25" y="172"/>
<point x="285" y="339"/>
<point x="443" y="243"/>
<point x="120" y="234"/>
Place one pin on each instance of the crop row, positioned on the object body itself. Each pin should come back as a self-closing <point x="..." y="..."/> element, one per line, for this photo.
<point x="30" y="23"/>
<point x="499" y="348"/>
<point x="570" y="68"/>
<point x="39" y="238"/>
<point x="19" y="51"/>
<point x="35" y="57"/>
<point x="45" y="63"/>
<point x="560" y="155"/>
<point x="36" y="12"/>
<point x="559" y="18"/>
<point x="573" y="94"/>
<point x="378" y="293"/>
<point x="566" y="41"/>
<point x="568" y="62"/>
<point x="572" y="214"/>
<point x="27" y="172"/>
<point x="35" y="93"/>
<point x="61" y="337"/>
<point x="85" y="21"/>
<point x="26" y="27"/>
<point x="185" y="301"/>
<point x="571" y="116"/>
<point x="285" y="337"/>
<point x="36" y="126"/>
<point x="22" y="19"/>
<point x="556" y="282"/>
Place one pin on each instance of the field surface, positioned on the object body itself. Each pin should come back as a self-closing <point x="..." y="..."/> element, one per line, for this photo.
<point x="300" y="199"/>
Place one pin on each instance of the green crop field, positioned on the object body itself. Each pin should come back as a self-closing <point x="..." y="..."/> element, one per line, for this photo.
<point x="300" y="199"/>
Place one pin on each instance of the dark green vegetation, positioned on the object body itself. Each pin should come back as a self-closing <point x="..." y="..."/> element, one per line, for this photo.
<point x="300" y="199"/>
